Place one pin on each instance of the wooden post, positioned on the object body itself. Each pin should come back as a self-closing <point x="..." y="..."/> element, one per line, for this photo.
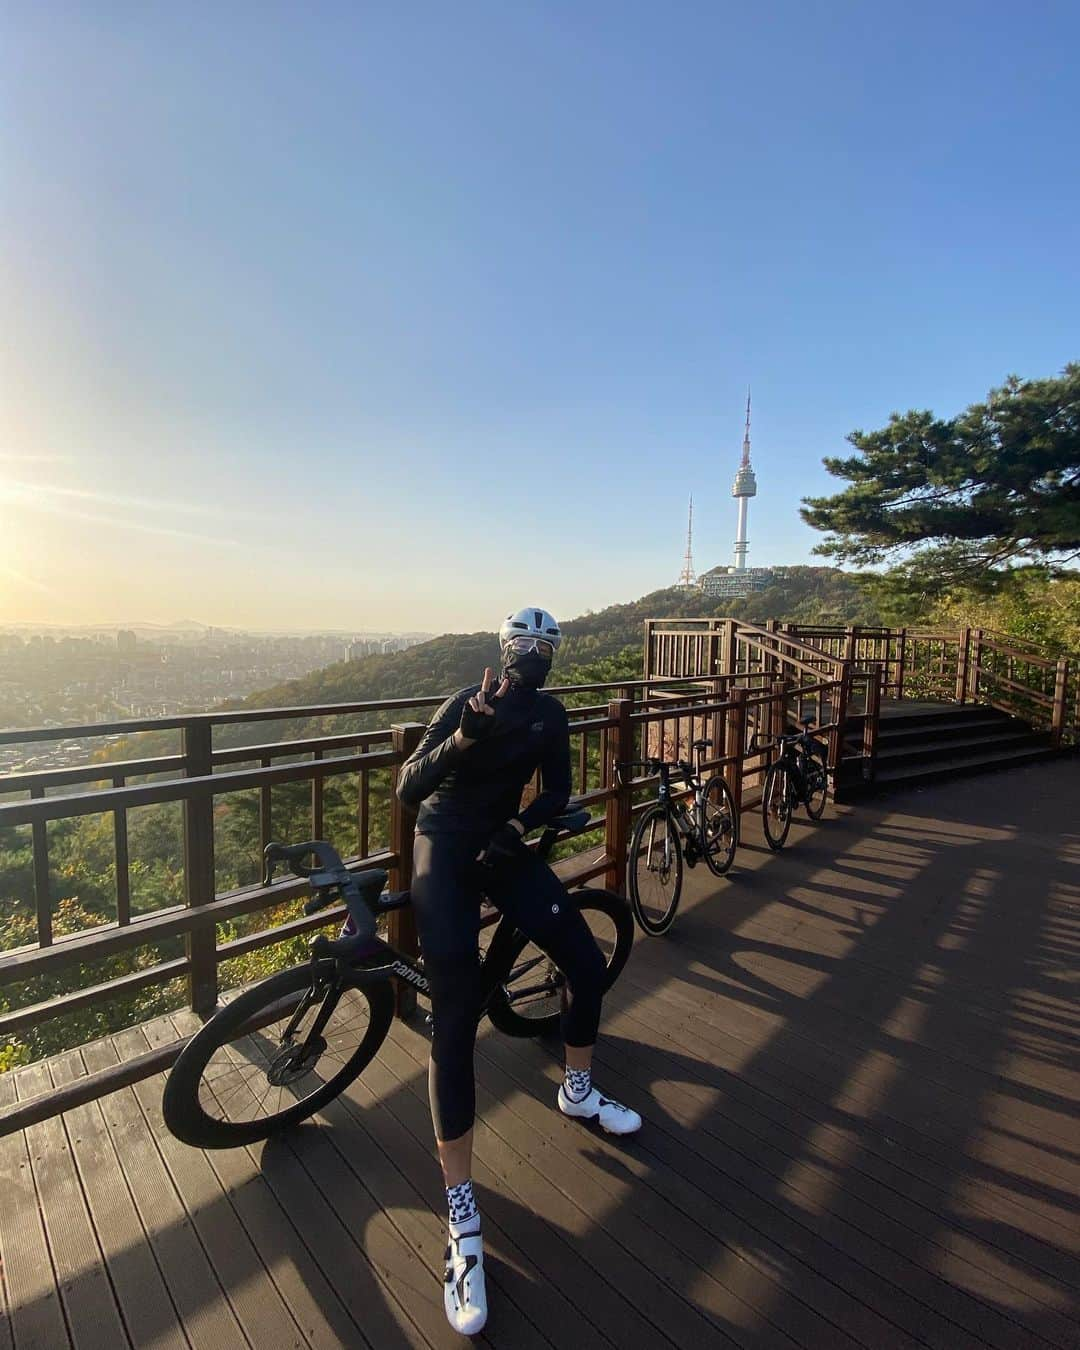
<point x="39" y="836"/>
<point x="617" y="807"/>
<point x="730" y="656"/>
<point x="198" y="809"/>
<point x="402" y="922"/>
<point x="778" y="707"/>
<point x="870" y="730"/>
<point x="646" y="659"/>
<point x="903" y="657"/>
<point x="715" y="731"/>
<point x="850" y="639"/>
<point x="714" y="652"/>
<point x="1061" y="685"/>
<point x="735" y="744"/>
<point x="840" y="712"/>
<point x="770" y="663"/>
<point x="975" y="666"/>
<point x="963" y="654"/>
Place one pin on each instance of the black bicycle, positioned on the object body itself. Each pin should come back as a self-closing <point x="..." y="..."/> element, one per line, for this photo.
<point x="671" y="830"/>
<point x="282" y="1049"/>
<point x="798" y="775"/>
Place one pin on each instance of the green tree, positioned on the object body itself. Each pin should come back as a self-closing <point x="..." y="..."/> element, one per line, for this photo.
<point x="962" y="501"/>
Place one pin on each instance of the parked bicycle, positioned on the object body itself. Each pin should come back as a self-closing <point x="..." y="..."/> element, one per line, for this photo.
<point x="284" y="1048"/>
<point x="670" y="831"/>
<point x="799" y="775"/>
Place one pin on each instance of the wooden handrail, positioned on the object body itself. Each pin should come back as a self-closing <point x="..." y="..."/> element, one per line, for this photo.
<point x="177" y="790"/>
<point x="1025" y="690"/>
<point x="90" y="773"/>
<point x="1019" y="655"/>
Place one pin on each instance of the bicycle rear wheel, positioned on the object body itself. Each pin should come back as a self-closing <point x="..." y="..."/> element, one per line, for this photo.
<point x="776" y="806"/>
<point x="719" y="826"/>
<point x="529" y="1000"/>
<point x="655" y="870"/>
<point x="817" y="787"/>
<point x="238" y="1080"/>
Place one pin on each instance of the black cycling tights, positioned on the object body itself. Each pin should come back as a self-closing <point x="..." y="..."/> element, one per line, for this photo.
<point x="446" y="898"/>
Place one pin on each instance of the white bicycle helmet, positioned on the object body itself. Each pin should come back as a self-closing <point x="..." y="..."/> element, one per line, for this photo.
<point x="531" y="622"/>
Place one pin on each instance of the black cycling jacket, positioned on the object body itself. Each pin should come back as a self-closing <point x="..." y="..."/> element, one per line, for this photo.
<point x="479" y="789"/>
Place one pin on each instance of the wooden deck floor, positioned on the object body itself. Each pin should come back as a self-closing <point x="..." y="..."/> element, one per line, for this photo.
<point x="858" y="1066"/>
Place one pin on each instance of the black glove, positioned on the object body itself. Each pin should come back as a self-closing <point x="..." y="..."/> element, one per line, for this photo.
<point x="506" y="845"/>
<point x="476" y="725"/>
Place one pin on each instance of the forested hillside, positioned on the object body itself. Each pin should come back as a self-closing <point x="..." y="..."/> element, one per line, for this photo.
<point x="806" y="594"/>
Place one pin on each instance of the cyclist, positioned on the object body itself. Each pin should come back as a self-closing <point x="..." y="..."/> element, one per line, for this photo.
<point x="466" y="776"/>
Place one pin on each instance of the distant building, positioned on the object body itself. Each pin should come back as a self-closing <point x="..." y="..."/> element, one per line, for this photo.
<point x="727" y="582"/>
<point x="126" y="641"/>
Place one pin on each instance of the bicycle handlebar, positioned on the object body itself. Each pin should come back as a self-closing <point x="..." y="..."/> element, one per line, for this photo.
<point x="759" y="741"/>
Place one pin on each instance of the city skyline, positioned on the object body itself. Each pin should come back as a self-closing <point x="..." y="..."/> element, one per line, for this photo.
<point x="374" y="318"/>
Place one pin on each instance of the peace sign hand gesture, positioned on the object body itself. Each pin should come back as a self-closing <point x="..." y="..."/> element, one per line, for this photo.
<point x="478" y="714"/>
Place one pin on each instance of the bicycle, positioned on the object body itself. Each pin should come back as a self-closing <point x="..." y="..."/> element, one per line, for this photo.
<point x="273" y="1056"/>
<point x="667" y="831"/>
<point x="799" y="775"/>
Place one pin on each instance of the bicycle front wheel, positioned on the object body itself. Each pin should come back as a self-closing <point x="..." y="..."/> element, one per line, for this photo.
<point x="529" y="1000"/>
<point x="776" y="803"/>
<point x="655" y="870"/>
<point x="241" y="1078"/>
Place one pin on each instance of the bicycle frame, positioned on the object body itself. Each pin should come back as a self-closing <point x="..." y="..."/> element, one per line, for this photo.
<point x="793" y="751"/>
<point x="340" y="971"/>
<point x="665" y="794"/>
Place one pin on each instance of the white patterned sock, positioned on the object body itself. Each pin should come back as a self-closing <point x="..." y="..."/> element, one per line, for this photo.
<point x="464" y="1215"/>
<point x="578" y="1083"/>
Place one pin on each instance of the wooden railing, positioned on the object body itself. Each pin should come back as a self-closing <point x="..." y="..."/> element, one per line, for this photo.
<point x="965" y="665"/>
<point x="860" y="666"/>
<point x="770" y="658"/>
<point x="720" y="679"/>
<point x="205" y="776"/>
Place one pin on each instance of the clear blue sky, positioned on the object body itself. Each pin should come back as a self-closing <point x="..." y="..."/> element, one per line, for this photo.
<point x="375" y="314"/>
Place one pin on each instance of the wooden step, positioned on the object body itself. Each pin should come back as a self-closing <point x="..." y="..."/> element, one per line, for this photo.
<point x="914" y="775"/>
<point x="948" y="712"/>
<point x="947" y="729"/>
<point x="1004" y="741"/>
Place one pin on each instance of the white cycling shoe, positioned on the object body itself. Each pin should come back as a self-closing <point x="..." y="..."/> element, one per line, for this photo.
<point x="464" y="1294"/>
<point x="612" y="1116"/>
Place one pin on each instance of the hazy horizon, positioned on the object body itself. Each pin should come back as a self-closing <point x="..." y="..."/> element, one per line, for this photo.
<point x="402" y="319"/>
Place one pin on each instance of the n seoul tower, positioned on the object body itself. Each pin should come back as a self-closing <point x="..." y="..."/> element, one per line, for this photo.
<point x="743" y="488"/>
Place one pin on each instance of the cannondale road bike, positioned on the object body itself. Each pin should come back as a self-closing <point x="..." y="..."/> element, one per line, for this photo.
<point x="282" y="1049"/>
<point x="671" y="830"/>
<point x="798" y="775"/>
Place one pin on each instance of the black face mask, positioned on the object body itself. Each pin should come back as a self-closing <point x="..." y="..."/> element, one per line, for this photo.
<point x="526" y="670"/>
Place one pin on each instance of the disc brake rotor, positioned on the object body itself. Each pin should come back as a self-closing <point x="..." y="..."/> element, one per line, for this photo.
<point x="293" y="1062"/>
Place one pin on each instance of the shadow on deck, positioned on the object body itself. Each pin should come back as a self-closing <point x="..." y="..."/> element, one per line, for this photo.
<point x="857" y="1064"/>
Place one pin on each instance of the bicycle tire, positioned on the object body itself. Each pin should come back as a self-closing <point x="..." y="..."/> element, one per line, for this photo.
<point x="815" y="806"/>
<point x="187" y="1091"/>
<point x="668" y="868"/>
<point x="777" y="823"/>
<point x="502" y="1010"/>
<point x="718" y="852"/>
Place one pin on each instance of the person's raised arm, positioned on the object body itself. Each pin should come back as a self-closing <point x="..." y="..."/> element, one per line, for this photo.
<point x="458" y="724"/>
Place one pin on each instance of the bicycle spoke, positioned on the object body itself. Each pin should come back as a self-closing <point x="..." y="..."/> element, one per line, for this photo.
<point x="237" y="1085"/>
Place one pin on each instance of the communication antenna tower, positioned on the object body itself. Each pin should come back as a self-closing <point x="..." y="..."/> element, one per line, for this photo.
<point x="687" y="576"/>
